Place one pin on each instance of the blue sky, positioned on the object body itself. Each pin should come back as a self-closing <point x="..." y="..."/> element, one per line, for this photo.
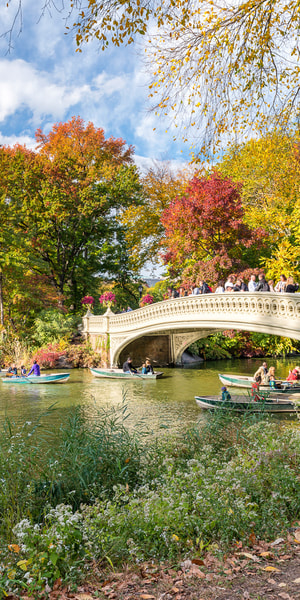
<point x="44" y="81"/>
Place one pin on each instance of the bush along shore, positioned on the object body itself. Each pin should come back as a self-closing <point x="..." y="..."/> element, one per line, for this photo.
<point x="98" y="493"/>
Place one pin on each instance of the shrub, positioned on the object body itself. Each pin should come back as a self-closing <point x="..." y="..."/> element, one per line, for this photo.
<point x="48" y="356"/>
<point x="45" y="552"/>
<point x="52" y="325"/>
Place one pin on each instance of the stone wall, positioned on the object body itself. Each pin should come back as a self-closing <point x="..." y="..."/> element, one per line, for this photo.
<point x="156" y="348"/>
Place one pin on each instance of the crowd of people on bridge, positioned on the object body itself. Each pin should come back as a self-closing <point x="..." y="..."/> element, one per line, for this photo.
<point x="237" y="284"/>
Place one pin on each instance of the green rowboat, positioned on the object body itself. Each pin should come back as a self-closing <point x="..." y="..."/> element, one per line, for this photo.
<point x="50" y="378"/>
<point x="246" y="404"/>
<point x="119" y="374"/>
<point x="245" y="381"/>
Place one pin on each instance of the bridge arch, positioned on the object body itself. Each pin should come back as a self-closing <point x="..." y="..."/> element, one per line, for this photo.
<point x="184" y="320"/>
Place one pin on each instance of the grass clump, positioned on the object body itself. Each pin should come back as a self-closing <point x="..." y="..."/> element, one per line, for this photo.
<point x="109" y="493"/>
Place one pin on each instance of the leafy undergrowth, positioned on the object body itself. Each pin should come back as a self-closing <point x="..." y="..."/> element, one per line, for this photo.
<point x="259" y="571"/>
<point x="105" y="495"/>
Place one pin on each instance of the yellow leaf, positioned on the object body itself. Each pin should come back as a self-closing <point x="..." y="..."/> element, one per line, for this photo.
<point x="269" y="568"/>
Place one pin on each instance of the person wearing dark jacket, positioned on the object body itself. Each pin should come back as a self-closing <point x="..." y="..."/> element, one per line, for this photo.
<point x="291" y="286"/>
<point x="204" y="288"/>
<point x="240" y="286"/>
<point x="127" y="366"/>
<point x="262" y="285"/>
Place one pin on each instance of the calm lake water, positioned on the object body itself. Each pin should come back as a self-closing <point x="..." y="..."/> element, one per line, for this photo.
<point x="165" y="403"/>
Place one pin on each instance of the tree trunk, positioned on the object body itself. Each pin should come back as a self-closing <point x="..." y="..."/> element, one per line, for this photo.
<point x="1" y="299"/>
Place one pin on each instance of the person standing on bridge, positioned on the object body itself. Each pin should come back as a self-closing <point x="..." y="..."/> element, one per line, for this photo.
<point x="252" y="285"/>
<point x="281" y="285"/>
<point x="262" y="285"/>
<point x="204" y="287"/>
<point x="291" y="287"/>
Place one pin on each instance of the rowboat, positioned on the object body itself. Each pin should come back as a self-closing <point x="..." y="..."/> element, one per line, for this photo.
<point x="49" y="378"/>
<point x="244" y="381"/>
<point x="244" y="404"/>
<point x="119" y="374"/>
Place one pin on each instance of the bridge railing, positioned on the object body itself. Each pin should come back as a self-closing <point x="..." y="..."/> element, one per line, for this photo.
<point x="260" y="304"/>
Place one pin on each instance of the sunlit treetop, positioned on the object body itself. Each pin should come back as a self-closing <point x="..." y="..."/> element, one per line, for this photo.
<point x="223" y="69"/>
<point x="220" y="68"/>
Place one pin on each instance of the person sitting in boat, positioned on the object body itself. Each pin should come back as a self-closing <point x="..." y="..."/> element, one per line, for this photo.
<point x="12" y="371"/>
<point x="294" y="374"/>
<point x="23" y="371"/>
<point x="149" y="367"/>
<point x="127" y="366"/>
<point x="225" y="394"/>
<point x="35" y="369"/>
<point x="260" y="376"/>
<point x="272" y="379"/>
<point x="144" y="369"/>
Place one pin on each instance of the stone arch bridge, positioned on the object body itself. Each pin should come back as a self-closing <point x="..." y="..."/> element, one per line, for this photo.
<point x="162" y="331"/>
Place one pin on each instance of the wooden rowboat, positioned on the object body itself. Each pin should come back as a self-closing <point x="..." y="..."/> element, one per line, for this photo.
<point x="119" y="374"/>
<point x="246" y="404"/>
<point x="245" y="381"/>
<point x="50" y="378"/>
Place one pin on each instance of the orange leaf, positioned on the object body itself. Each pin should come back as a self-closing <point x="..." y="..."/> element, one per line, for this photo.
<point x="14" y="548"/>
<point x="297" y="535"/>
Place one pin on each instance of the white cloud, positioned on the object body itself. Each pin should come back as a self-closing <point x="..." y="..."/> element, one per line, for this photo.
<point x="11" y="140"/>
<point x="43" y="80"/>
<point x="22" y="86"/>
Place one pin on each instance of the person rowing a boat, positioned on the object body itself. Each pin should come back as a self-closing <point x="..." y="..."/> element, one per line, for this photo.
<point x="127" y="366"/>
<point x="35" y="369"/>
<point x="225" y="394"/>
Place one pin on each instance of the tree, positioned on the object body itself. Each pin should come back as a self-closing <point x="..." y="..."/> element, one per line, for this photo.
<point x="269" y="169"/>
<point x="65" y="196"/>
<point x="222" y="68"/>
<point x="142" y="223"/>
<point x="206" y="236"/>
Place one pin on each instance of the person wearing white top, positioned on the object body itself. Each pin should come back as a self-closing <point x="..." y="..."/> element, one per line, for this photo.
<point x="281" y="285"/>
<point x="220" y="288"/>
<point x="252" y="285"/>
<point x="230" y="282"/>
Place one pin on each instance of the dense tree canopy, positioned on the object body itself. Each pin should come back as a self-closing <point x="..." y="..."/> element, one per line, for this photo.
<point x="63" y="200"/>
<point x="270" y="171"/>
<point x="142" y="223"/>
<point x="205" y="233"/>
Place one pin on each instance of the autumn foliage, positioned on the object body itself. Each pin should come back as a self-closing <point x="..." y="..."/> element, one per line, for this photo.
<point x="206" y="236"/>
